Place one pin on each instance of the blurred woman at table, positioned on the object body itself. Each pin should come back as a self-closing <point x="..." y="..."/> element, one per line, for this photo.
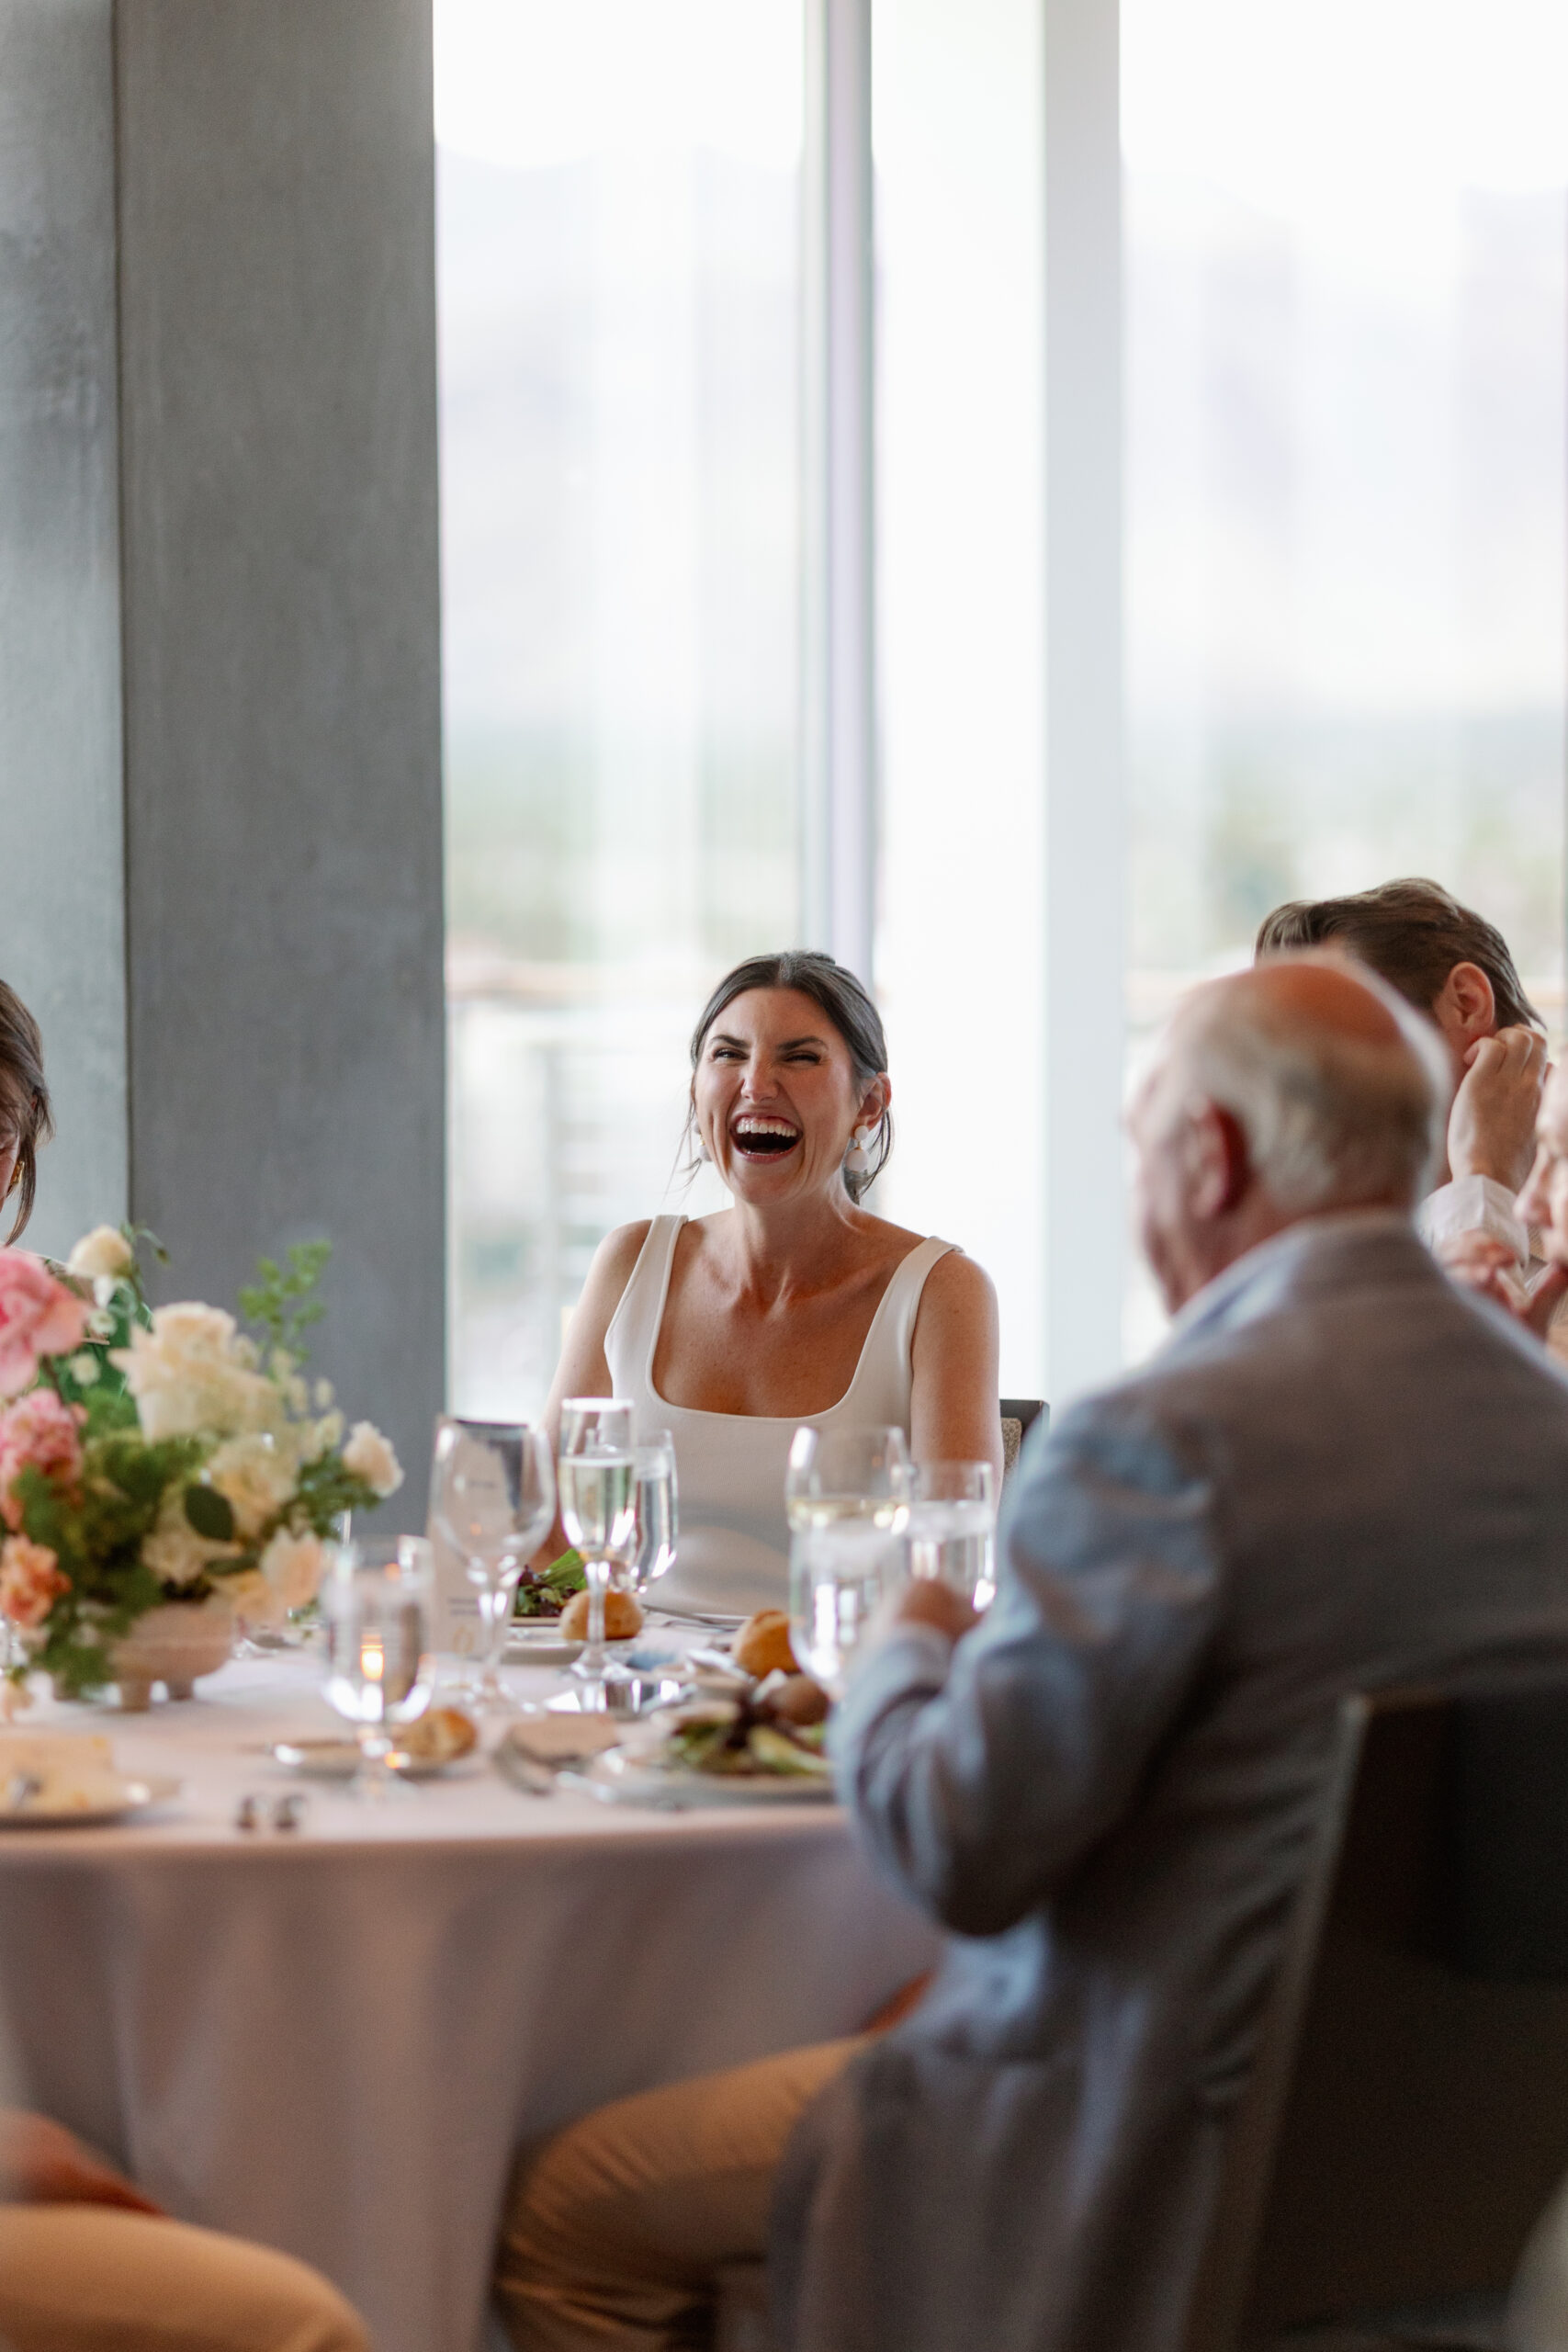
<point x="25" y="1119"/>
<point x="793" y="1305"/>
<point x="87" y="2263"/>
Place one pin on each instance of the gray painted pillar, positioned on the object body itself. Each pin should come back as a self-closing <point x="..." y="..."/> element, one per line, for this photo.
<point x="281" y="1041"/>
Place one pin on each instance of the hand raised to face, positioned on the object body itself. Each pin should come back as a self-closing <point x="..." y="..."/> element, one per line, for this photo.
<point x="1493" y="1118"/>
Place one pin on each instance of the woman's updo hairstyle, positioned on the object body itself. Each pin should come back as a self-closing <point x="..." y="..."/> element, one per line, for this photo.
<point x="840" y="996"/>
<point x="23" y="1098"/>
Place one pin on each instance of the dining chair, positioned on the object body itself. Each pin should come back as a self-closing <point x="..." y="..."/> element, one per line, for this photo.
<point x="1406" y="2121"/>
<point x="1019" y="1417"/>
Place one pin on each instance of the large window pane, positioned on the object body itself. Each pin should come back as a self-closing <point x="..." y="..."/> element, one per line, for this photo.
<point x="1345" y="438"/>
<point x="958" y="101"/>
<point x="618" y="209"/>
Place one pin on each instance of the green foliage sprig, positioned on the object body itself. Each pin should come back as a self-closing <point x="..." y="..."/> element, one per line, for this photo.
<point x="281" y="1305"/>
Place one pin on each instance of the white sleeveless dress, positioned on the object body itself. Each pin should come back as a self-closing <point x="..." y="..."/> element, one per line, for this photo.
<point x="733" y="1553"/>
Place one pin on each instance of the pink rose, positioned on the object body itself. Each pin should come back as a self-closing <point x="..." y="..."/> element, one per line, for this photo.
<point x="30" y="1581"/>
<point x="41" y="1432"/>
<point x="38" y="1316"/>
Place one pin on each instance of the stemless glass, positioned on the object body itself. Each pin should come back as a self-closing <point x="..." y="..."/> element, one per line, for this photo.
<point x="377" y="1601"/>
<point x="847" y="1497"/>
<point x="952" y="1521"/>
<point x="493" y="1496"/>
<point x="658" y="1508"/>
<point x="598" y="1509"/>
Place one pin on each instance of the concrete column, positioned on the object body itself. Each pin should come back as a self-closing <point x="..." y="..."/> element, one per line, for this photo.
<point x="282" y="680"/>
<point x="264" y="189"/>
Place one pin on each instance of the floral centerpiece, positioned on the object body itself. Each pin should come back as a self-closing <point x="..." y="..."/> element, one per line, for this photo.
<point x="156" y="1456"/>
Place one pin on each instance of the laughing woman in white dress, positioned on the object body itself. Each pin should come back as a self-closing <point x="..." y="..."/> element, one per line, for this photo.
<point x="793" y="1305"/>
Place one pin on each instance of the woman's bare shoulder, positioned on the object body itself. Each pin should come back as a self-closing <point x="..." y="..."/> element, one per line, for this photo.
<point x="613" y="1261"/>
<point x="959" y="1287"/>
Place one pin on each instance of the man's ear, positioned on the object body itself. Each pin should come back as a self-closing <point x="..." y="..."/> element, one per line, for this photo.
<point x="1466" y="1009"/>
<point x="1218" y="1167"/>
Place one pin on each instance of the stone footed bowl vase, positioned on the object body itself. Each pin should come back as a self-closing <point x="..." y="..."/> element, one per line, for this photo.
<point x="173" y="1644"/>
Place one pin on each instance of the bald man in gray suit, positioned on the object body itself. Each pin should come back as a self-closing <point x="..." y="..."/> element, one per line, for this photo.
<point x="1339" y="1473"/>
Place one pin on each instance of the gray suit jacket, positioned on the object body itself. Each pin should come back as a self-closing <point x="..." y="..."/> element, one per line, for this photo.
<point x="1338" y="1473"/>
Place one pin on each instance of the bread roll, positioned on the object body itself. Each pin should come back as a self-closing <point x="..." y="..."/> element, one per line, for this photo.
<point x="623" y="1616"/>
<point x="799" y="1701"/>
<point x="762" y="1647"/>
<point x="439" y="1736"/>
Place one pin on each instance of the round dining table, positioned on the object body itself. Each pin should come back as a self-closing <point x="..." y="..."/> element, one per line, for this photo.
<point x="336" y="2039"/>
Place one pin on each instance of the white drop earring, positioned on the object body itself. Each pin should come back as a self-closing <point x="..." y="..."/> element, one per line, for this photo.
<point x="857" y="1161"/>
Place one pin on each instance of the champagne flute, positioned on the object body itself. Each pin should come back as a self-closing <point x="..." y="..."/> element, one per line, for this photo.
<point x="377" y="1600"/>
<point x="847" y="1495"/>
<point x="658" y="1508"/>
<point x="493" y="1496"/>
<point x="598" y="1509"/>
<point x="952" y="1522"/>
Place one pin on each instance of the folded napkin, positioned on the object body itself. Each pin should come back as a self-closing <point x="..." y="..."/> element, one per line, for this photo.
<point x="58" y="1772"/>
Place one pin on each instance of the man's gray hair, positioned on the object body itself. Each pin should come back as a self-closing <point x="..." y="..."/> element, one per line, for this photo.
<point x="1331" y="1120"/>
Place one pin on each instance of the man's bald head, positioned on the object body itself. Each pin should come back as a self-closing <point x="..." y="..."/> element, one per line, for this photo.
<point x="1301" y="1086"/>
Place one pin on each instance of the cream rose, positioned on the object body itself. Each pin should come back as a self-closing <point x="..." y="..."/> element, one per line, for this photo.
<point x="291" y="1566"/>
<point x="256" y="1477"/>
<point x="103" y="1253"/>
<point x="369" y="1456"/>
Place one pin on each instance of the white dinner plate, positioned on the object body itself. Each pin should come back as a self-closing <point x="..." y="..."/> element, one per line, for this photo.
<point x="137" y="1796"/>
<point x="616" y="1779"/>
<point x="338" y="1759"/>
<point x="544" y="1645"/>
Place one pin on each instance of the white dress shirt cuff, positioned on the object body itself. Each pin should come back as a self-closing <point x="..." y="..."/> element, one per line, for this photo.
<point x="1472" y="1204"/>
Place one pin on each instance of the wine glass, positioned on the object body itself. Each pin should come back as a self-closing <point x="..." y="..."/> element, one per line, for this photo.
<point x="377" y="1600"/>
<point x="953" y="1520"/>
<point x="493" y="1496"/>
<point x="598" y="1509"/>
<point x="847" y="1496"/>
<point x="658" y="1508"/>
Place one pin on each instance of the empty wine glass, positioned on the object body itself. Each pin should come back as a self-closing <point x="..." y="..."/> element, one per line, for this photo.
<point x="494" y="1498"/>
<point x="658" y="1508"/>
<point x="598" y="1509"/>
<point x="846" y="1497"/>
<point x="952" y="1521"/>
<point x="377" y="1601"/>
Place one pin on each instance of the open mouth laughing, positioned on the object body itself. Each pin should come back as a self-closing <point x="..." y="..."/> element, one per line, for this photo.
<point x="758" y="1138"/>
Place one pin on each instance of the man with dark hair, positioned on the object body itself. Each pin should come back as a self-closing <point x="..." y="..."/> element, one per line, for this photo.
<point x="1455" y="966"/>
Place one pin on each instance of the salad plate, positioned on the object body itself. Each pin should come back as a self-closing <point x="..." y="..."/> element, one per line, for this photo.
<point x="617" y="1778"/>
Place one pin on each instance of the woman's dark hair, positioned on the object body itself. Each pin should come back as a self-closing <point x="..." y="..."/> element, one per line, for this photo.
<point x="1412" y="932"/>
<point x="840" y="996"/>
<point x="24" y="1097"/>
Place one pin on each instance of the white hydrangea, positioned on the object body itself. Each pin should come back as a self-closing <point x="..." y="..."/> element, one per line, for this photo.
<point x="176" y="1554"/>
<point x="291" y="1567"/>
<point x="105" y="1253"/>
<point x="255" y="1476"/>
<point x="368" y="1455"/>
<point x="192" y="1373"/>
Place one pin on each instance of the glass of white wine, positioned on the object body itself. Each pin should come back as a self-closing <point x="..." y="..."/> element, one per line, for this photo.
<point x="847" y="1495"/>
<point x="596" y="1475"/>
<point x="377" y="1601"/>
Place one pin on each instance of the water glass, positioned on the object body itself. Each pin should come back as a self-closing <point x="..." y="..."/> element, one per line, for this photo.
<point x="597" y="1476"/>
<point x="658" y="1508"/>
<point x="378" y="1600"/>
<point x="952" y="1521"/>
<point x="493" y="1499"/>
<point x="847" y="1493"/>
